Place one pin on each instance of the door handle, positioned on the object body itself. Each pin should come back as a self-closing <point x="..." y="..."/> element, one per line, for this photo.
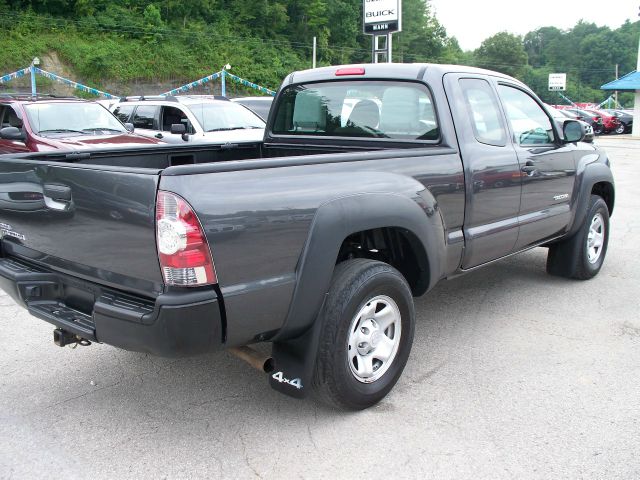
<point x="57" y="192"/>
<point x="57" y="197"/>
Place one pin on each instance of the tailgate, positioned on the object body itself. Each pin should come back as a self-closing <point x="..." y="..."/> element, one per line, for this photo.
<point x="91" y="222"/>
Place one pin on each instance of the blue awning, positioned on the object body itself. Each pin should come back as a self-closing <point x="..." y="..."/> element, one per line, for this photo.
<point x="631" y="81"/>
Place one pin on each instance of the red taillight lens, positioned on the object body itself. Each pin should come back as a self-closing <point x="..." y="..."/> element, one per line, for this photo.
<point x="349" y="71"/>
<point x="183" y="251"/>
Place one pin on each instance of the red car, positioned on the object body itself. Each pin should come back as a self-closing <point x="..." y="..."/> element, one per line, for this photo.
<point x="45" y="123"/>
<point x="609" y="121"/>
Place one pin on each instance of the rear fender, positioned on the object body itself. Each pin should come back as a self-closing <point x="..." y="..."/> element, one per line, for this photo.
<point x="295" y="346"/>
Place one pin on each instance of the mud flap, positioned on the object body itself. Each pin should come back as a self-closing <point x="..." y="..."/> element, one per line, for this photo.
<point x="294" y="362"/>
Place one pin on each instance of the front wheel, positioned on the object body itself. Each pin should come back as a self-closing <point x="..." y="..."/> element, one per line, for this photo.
<point x="621" y="128"/>
<point x="366" y="336"/>
<point x="581" y="256"/>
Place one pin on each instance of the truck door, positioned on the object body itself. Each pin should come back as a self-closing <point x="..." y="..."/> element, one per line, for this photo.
<point x="548" y="167"/>
<point x="492" y="171"/>
<point x="146" y="121"/>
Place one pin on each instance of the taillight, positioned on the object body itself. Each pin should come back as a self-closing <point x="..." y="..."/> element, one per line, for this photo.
<point x="183" y="251"/>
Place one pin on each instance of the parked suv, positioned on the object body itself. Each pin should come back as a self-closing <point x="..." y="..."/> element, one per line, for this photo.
<point x="44" y="123"/>
<point x="190" y="118"/>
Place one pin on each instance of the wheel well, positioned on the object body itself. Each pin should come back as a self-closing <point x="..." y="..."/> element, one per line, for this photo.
<point x="398" y="247"/>
<point x="605" y="190"/>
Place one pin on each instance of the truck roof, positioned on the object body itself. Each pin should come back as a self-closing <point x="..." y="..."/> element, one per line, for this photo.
<point x="395" y="71"/>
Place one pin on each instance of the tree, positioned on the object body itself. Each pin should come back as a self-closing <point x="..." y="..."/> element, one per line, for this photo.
<point x="503" y="52"/>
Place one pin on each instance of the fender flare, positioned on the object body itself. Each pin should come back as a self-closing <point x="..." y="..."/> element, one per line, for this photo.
<point x="593" y="173"/>
<point x="295" y="345"/>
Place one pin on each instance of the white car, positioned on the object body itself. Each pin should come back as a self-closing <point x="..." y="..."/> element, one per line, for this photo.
<point x="190" y="118"/>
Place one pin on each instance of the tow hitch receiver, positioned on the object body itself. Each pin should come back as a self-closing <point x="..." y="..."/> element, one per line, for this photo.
<point x="62" y="338"/>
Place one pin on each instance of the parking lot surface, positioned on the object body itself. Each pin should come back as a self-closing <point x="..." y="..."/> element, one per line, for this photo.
<point x="513" y="374"/>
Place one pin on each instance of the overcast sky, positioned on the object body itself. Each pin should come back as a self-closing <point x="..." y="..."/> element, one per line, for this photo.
<point x="471" y="21"/>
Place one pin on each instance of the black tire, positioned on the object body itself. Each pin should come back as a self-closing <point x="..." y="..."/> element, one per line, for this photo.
<point x="570" y="258"/>
<point x="620" y="129"/>
<point x="598" y="129"/>
<point x="355" y="283"/>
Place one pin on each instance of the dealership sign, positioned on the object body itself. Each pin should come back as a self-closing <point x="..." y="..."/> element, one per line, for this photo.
<point x="382" y="16"/>
<point x="557" y="81"/>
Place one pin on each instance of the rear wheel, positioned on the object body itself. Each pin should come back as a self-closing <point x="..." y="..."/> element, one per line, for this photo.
<point x="366" y="337"/>
<point x="582" y="255"/>
<point x="597" y="129"/>
<point x="620" y="128"/>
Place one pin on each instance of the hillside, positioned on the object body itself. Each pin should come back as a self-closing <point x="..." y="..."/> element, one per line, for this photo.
<point x="134" y="46"/>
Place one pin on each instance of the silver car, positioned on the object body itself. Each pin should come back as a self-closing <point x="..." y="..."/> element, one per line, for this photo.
<point x="190" y="118"/>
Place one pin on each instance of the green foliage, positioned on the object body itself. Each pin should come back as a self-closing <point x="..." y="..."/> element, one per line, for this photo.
<point x="588" y="54"/>
<point x="125" y="43"/>
<point x="503" y="52"/>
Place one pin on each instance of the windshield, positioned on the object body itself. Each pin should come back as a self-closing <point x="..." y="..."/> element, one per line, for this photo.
<point x="218" y="116"/>
<point x="82" y="118"/>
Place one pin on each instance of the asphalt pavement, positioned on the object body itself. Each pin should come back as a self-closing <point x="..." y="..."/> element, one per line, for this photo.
<point x="513" y="374"/>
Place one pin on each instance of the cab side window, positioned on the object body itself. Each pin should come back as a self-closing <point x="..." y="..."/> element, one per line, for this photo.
<point x="172" y="115"/>
<point x="10" y="117"/>
<point x="146" y="117"/>
<point x="482" y="106"/>
<point x="124" y="112"/>
<point x="529" y="122"/>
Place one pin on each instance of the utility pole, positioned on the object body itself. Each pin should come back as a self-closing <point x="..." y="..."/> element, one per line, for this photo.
<point x="314" y="51"/>
<point x="636" y="106"/>
<point x="615" y="94"/>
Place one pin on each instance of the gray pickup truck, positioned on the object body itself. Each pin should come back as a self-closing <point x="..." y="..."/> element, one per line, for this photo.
<point x="373" y="183"/>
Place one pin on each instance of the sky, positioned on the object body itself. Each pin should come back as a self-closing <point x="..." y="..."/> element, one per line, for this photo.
<point x="472" y="21"/>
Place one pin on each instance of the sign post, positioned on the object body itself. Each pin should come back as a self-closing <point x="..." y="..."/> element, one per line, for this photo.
<point x="381" y="18"/>
<point x="557" y="82"/>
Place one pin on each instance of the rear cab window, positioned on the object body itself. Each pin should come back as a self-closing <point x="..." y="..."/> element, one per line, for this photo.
<point x="482" y="105"/>
<point x="358" y="109"/>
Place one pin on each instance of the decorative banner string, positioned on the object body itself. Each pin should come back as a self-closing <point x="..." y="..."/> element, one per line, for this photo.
<point x="14" y="75"/>
<point x="71" y="83"/>
<point x="215" y="76"/>
<point x="247" y="83"/>
<point x="197" y="83"/>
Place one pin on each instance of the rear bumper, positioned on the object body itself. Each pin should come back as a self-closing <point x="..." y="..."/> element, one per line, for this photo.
<point x="175" y="324"/>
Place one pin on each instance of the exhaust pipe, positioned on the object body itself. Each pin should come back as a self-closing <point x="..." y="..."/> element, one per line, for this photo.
<point x="254" y="358"/>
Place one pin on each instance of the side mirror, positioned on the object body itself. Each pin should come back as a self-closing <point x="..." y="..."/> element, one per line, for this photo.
<point x="11" y="133"/>
<point x="574" y="131"/>
<point x="178" y="129"/>
<point x="129" y="126"/>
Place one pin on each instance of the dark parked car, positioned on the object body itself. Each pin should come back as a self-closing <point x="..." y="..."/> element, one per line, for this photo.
<point x="316" y="240"/>
<point x="258" y="105"/>
<point x="626" y="120"/>
<point x="562" y="116"/>
<point x="592" y="119"/>
<point x="45" y="123"/>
